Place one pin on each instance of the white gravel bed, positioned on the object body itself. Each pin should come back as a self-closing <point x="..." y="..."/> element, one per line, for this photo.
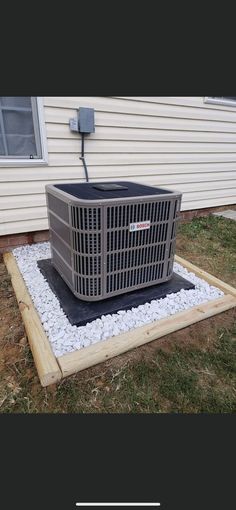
<point x="66" y="338"/>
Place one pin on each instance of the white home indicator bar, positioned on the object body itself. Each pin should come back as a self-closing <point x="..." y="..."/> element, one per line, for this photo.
<point x="119" y="504"/>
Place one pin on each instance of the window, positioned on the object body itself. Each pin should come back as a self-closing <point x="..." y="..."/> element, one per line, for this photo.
<point x="22" y="137"/>
<point x="228" y="101"/>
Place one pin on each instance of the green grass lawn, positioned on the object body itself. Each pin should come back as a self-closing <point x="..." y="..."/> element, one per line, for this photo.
<point x="190" y="371"/>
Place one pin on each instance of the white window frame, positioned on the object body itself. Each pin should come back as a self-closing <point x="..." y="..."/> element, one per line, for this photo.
<point x="22" y="162"/>
<point x="216" y="100"/>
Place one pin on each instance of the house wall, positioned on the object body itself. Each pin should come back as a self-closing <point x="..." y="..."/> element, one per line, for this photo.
<point x="178" y="142"/>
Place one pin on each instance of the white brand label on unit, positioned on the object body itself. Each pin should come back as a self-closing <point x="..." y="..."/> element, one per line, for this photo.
<point x="141" y="225"/>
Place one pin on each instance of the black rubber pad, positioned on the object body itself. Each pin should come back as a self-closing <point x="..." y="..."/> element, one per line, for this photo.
<point x="80" y="312"/>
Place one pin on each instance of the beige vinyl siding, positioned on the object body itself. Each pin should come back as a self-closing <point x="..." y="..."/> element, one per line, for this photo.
<point x="178" y="142"/>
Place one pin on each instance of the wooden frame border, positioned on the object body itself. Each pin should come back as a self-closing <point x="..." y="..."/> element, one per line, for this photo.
<point x="46" y="363"/>
<point x="212" y="280"/>
<point x="51" y="369"/>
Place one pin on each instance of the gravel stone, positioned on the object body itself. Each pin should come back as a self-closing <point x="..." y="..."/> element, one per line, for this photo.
<point x="66" y="338"/>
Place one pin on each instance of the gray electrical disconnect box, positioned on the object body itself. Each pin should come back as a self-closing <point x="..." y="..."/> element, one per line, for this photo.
<point x="86" y="120"/>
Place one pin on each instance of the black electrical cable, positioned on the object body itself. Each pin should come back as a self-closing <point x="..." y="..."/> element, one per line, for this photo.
<point x="82" y="158"/>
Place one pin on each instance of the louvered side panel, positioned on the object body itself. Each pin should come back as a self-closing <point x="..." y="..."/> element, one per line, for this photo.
<point x="87" y="251"/>
<point x="135" y="259"/>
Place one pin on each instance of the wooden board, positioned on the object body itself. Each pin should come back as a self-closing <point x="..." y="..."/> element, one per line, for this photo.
<point x="52" y="369"/>
<point x="45" y="361"/>
<point x="102" y="351"/>
<point x="212" y="280"/>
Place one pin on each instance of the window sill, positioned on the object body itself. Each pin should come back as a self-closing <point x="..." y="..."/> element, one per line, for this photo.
<point x="23" y="162"/>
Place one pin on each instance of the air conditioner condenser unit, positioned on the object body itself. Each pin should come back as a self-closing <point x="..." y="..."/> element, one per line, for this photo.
<point x="112" y="238"/>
